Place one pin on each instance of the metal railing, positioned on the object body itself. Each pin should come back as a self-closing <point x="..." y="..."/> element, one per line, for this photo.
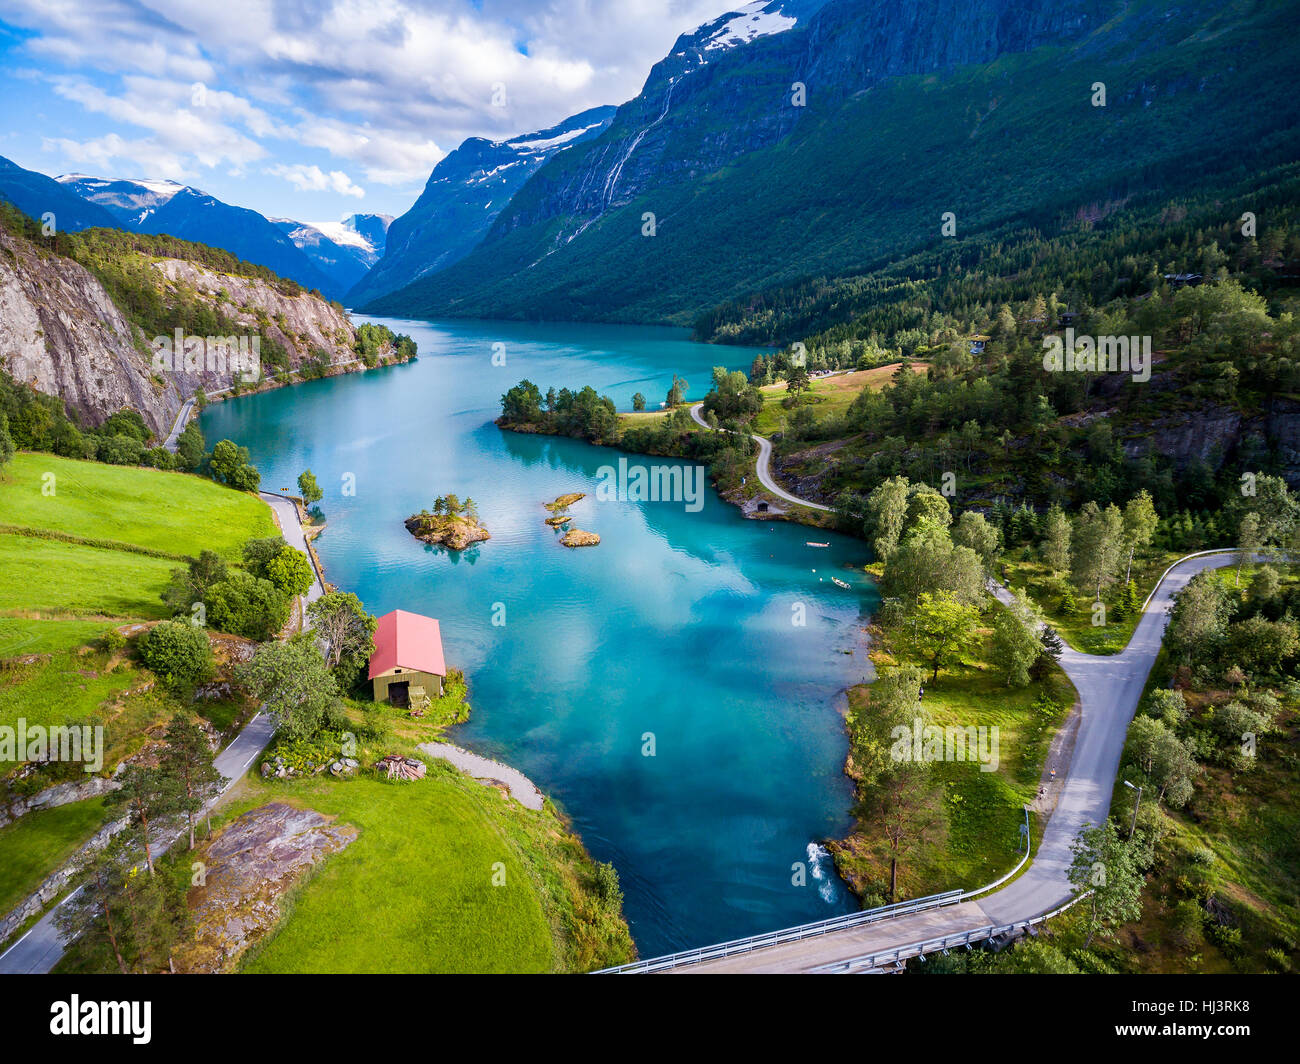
<point x="789" y="934"/>
<point x="961" y="939"/>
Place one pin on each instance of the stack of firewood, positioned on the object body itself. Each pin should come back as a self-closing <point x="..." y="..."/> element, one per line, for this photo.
<point x="400" y="767"/>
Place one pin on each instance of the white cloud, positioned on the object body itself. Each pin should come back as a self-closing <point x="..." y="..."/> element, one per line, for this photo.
<point x="314" y="179"/>
<point x="385" y="87"/>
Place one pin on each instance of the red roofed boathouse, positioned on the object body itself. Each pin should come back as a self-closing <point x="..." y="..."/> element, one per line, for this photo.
<point x="407" y="659"/>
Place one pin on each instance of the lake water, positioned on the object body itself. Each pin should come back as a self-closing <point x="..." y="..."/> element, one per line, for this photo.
<point x="679" y="630"/>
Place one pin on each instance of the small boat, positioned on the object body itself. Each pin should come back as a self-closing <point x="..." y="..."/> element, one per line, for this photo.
<point x="810" y="543"/>
<point x="839" y="583"/>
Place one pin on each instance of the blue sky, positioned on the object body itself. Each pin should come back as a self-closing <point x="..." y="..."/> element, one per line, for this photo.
<point x="304" y="109"/>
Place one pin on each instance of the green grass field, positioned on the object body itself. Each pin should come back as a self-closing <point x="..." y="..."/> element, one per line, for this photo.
<point x="1077" y="628"/>
<point x="54" y="579"/>
<point x="983" y="811"/>
<point x="414" y="892"/>
<point x="828" y="396"/>
<point x="36" y="844"/>
<point x="57" y="596"/>
<point x="20" y="635"/>
<point x="172" y="512"/>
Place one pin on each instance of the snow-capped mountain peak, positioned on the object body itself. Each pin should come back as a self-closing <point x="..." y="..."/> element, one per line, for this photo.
<point x="760" y="19"/>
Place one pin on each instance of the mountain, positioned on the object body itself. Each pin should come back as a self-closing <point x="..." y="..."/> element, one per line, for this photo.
<point x="343" y="251"/>
<point x="981" y="108"/>
<point x="37" y="195"/>
<point x="463" y="196"/>
<point x="189" y="214"/>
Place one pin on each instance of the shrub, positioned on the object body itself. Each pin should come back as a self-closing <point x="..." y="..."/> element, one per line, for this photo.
<point x="178" y="653"/>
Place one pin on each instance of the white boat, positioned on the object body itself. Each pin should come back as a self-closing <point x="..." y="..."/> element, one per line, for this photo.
<point x="836" y="580"/>
<point x="810" y="543"/>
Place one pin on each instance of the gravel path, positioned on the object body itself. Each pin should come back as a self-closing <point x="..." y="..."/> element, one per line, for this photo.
<point x="481" y="768"/>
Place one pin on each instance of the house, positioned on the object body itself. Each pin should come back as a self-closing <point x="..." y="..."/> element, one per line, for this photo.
<point x="407" y="665"/>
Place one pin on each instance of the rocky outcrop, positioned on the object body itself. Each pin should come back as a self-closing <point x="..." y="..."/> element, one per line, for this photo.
<point x="61" y="332"/>
<point x="454" y="533"/>
<point x="250" y="866"/>
<point x="59" y="794"/>
<point x="576" y="537"/>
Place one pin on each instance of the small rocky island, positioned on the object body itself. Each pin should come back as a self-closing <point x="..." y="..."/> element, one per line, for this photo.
<point x="573" y="537"/>
<point x="576" y="537"/>
<point x="451" y="523"/>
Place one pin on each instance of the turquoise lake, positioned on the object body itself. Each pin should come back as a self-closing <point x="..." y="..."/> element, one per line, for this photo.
<point x="680" y="626"/>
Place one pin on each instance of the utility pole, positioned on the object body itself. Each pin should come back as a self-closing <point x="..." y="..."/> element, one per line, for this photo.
<point x="1133" y="826"/>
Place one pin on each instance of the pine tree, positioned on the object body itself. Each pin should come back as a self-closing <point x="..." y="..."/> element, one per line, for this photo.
<point x="188" y="762"/>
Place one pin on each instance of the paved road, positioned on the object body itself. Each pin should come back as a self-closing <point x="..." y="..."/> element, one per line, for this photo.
<point x="287" y="514"/>
<point x="178" y="426"/>
<point x="1109" y="688"/>
<point x="764" y="463"/>
<point x="40" y="949"/>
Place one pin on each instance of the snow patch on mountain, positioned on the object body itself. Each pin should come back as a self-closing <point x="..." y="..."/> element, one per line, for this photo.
<point x="760" y="19"/>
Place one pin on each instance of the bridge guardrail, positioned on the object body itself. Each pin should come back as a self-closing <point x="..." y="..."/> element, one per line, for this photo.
<point x="897" y="954"/>
<point x="789" y="934"/>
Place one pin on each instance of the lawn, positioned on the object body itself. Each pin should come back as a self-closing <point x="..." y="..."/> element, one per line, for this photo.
<point x="983" y="811"/>
<point x="35" y="845"/>
<point x="414" y="892"/>
<point x="65" y="688"/>
<point x="20" y="635"/>
<point x="47" y="577"/>
<point x="172" y="512"/>
<point x="828" y="396"/>
<point x="1077" y="628"/>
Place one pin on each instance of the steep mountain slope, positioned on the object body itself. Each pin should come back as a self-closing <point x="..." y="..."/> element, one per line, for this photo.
<point x="978" y="107"/>
<point x="343" y="251"/>
<point x="189" y="214"/>
<point x="37" y="195"/>
<point x="463" y="196"/>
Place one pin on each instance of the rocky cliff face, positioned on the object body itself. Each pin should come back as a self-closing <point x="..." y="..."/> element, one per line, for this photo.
<point x="61" y="333"/>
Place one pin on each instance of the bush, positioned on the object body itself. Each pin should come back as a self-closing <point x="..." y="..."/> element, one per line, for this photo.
<point x="178" y="653"/>
<point x="119" y="450"/>
<point x="112" y="641"/>
<point x="243" y="604"/>
<point x="607" y="886"/>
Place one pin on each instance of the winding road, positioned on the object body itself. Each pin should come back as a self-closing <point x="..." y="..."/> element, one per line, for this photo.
<point x="1109" y="688"/>
<point x="764" y="462"/>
